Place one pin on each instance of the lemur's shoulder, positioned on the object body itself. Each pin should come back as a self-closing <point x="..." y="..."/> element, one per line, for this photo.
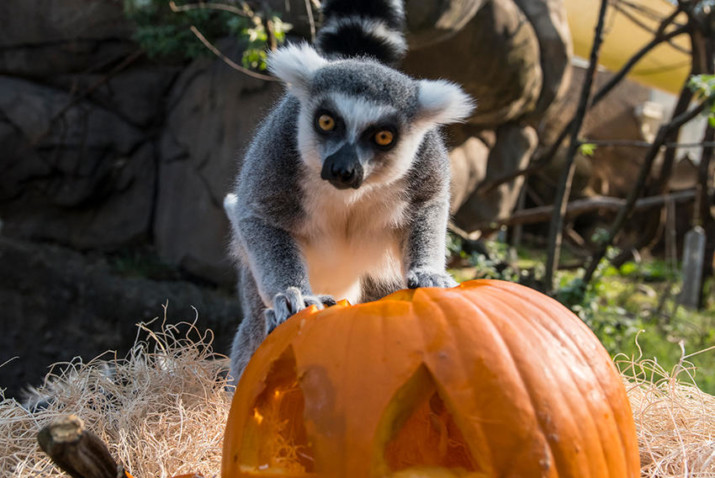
<point x="272" y="169"/>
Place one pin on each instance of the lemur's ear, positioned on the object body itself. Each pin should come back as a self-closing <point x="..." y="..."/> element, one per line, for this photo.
<point x="295" y="66"/>
<point x="442" y="102"/>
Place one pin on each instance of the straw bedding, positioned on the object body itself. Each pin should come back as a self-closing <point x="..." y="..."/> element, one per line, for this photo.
<point x="163" y="408"/>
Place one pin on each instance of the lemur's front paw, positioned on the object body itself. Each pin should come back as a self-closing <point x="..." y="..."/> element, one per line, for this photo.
<point x="429" y="278"/>
<point x="291" y="302"/>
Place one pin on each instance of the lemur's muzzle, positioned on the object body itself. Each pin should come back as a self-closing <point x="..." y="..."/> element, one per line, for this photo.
<point x="343" y="168"/>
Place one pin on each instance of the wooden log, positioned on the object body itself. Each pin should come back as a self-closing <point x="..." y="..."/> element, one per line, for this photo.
<point x="77" y="451"/>
<point x="581" y="206"/>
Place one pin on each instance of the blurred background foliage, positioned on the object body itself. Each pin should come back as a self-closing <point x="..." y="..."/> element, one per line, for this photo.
<point x="633" y="309"/>
<point x="163" y="29"/>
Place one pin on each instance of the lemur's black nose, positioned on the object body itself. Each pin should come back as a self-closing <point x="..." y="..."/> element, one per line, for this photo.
<point x="343" y="168"/>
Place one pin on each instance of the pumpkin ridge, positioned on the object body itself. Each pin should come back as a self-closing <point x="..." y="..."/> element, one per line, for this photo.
<point x="346" y="360"/>
<point x="526" y="390"/>
<point x="604" y="372"/>
<point x="539" y="329"/>
<point x="573" y="345"/>
<point x="514" y="370"/>
<point x="483" y="461"/>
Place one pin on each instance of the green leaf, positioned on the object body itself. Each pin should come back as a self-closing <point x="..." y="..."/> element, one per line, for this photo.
<point x="166" y="35"/>
<point x="587" y="149"/>
<point x="600" y="236"/>
<point x="703" y="85"/>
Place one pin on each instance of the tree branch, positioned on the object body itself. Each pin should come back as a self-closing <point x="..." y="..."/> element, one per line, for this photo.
<point x="311" y="20"/>
<point x="227" y="60"/>
<point x="245" y="11"/>
<point x="581" y="206"/>
<point x="564" y="189"/>
<point x="125" y="63"/>
<point x="542" y="160"/>
<point x="626" y="210"/>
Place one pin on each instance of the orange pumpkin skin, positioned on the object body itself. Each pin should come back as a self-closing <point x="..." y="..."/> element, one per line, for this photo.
<point x="487" y="379"/>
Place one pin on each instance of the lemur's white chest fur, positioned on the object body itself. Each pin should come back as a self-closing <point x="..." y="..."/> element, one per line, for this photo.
<point x="350" y="234"/>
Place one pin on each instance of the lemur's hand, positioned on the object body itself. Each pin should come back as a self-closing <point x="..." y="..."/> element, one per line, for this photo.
<point x="429" y="278"/>
<point x="291" y="302"/>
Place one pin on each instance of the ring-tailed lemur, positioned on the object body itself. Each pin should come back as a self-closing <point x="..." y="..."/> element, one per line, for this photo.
<point x="344" y="192"/>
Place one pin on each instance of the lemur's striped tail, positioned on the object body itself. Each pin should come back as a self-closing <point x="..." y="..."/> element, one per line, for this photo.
<point x="360" y="28"/>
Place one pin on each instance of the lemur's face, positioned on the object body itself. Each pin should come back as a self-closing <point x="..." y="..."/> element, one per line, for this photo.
<point x="361" y="123"/>
<point x="354" y="141"/>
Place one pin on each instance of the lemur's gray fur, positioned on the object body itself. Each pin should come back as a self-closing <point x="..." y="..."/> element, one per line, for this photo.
<point x="319" y="214"/>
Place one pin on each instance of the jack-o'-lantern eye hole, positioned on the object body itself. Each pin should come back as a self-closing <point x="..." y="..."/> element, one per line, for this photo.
<point x="326" y="122"/>
<point x="383" y="137"/>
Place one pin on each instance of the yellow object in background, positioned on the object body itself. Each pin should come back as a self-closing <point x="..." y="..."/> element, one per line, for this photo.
<point x="630" y="26"/>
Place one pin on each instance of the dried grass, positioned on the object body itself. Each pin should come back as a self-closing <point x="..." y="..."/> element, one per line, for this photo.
<point x="163" y="409"/>
<point x="675" y="420"/>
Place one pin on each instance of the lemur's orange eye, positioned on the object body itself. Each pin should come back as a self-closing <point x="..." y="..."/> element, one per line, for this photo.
<point x="383" y="138"/>
<point x="326" y="122"/>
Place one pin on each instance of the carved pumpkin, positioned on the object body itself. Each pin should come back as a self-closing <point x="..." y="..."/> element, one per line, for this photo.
<point x="487" y="379"/>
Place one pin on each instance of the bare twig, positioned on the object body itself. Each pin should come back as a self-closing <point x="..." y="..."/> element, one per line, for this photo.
<point x="543" y="159"/>
<point x="652" y="14"/>
<point x="245" y="11"/>
<point x="271" y="34"/>
<point x="128" y="60"/>
<point x="706" y="45"/>
<point x="227" y="60"/>
<point x="660" y="30"/>
<point x="311" y="20"/>
<point x="625" y="69"/>
<point x="564" y="189"/>
<point x="581" y="206"/>
<point x="625" y="211"/>
<point x="644" y="144"/>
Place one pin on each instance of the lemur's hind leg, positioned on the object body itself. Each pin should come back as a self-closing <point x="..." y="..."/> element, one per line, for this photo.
<point x="252" y="330"/>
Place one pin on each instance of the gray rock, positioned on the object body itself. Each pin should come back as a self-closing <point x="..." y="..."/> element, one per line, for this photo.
<point x="46" y="61"/>
<point x="84" y="178"/>
<point x="39" y="22"/>
<point x="512" y="150"/>
<point x="612" y="169"/>
<point x="41" y="39"/>
<point x="513" y="57"/>
<point x="58" y="304"/>
<point x="213" y="111"/>
<point x="468" y="162"/>
<point x="495" y="57"/>
<point x="548" y="17"/>
<point x="137" y="95"/>
<point x="433" y="21"/>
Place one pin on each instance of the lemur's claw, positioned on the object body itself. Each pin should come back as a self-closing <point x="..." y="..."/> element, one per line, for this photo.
<point x="291" y="302"/>
<point x="327" y="300"/>
<point x="428" y="278"/>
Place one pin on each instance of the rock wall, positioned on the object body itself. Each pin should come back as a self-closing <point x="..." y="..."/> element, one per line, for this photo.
<point x="58" y="304"/>
<point x="104" y="152"/>
<point x="514" y="57"/>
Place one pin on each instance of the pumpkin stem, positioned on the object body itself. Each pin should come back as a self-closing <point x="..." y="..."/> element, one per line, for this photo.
<point x="77" y="451"/>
